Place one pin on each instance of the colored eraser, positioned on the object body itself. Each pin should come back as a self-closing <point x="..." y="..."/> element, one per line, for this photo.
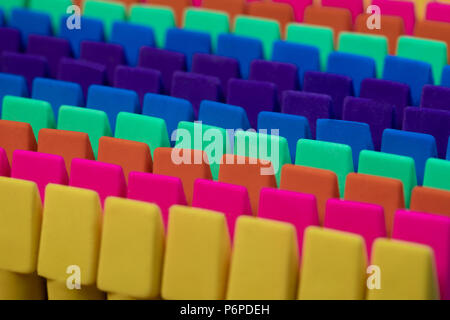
<point x="21" y="218"/>
<point x="247" y="172"/>
<point x="55" y="9"/>
<point x="408" y="271"/>
<point x="10" y="40"/>
<point x="141" y="128"/>
<point x="165" y="191"/>
<point x="364" y="219"/>
<point x="30" y="22"/>
<point x="37" y="113"/>
<point x="142" y="36"/>
<point x="67" y="144"/>
<point x="130" y="155"/>
<point x="375" y="47"/>
<point x="57" y="93"/>
<point x="312" y="106"/>
<point x="26" y="65"/>
<point x="428" y="51"/>
<point x="212" y="22"/>
<point x="280" y="12"/>
<point x="354" y="66"/>
<point x="356" y="7"/>
<point x="195" y="88"/>
<point x="336" y="86"/>
<point x="171" y="109"/>
<point x="291" y="127"/>
<point x="431" y="230"/>
<point x="112" y="101"/>
<point x="403" y="9"/>
<point x="438" y="11"/>
<point x="188" y="42"/>
<point x="107" y="12"/>
<point x="283" y="75"/>
<point x="11" y="84"/>
<point x="108" y="54"/>
<point x="414" y="73"/>
<point x="223" y="68"/>
<point x="435" y="97"/>
<point x="92" y="30"/>
<point x="265" y="261"/>
<point x="165" y="61"/>
<point x="253" y="96"/>
<point x="181" y="163"/>
<point x="437" y="174"/>
<point x="204" y="274"/>
<point x="93" y="122"/>
<point x="378" y="115"/>
<point x="131" y="224"/>
<point x="430" y="200"/>
<point x="299" y="209"/>
<point x="223" y="115"/>
<point x="430" y="121"/>
<point x="386" y="192"/>
<point x="104" y="178"/>
<point x="266" y="30"/>
<point x="141" y="80"/>
<point x="333" y="266"/>
<point x="40" y="168"/>
<point x="305" y="57"/>
<point x="67" y="209"/>
<point x="16" y="135"/>
<point x="243" y="49"/>
<point x="84" y="73"/>
<point x="418" y="146"/>
<point x="390" y="92"/>
<point x="232" y="200"/>
<point x="52" y="48"/>
<point x="326" y="155"/>
<point x="323" y="184"/>
<point x="355" y="134"/>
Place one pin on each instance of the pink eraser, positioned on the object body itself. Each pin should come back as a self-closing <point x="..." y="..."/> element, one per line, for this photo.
<point x="298" y="6"/>
<point x="438" y="11"/>
<point x="402" y="9"/>
<point x="364" y="219"/>
<point x="432" y="230"/>
<point x="162" y="190"/>
<point x="5" y="170"/>
<point x="105" y="178"/>
<point x="197" y="3"/>
<point x="299" y="209"/>
<point x="356" y="7"/>
<point x="41" y="168"/>
<point x="232" y="200"/>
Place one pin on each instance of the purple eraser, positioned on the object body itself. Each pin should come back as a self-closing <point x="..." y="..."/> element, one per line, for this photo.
<point x="9" y="40"/>
<point x="283" y="75"/>
<point x="378" y="115"/>
<point x="253" y="96"/>
<point x="141" y="80"/>
<point x="84" y="73"/>
<point x="28" y="66"/>
<point x="166" y="62"/>
<point x="195" y="88"/>
<point x="430" y="121"/>
<point x="108" y="54"/>
<point x="223" y="68"/>
<point x="394" y="93"/>
<point x="435" y="97"/>
<point x="313" y="106"/>
<point x="336" y="86"/>
<point x="52" y="48"/>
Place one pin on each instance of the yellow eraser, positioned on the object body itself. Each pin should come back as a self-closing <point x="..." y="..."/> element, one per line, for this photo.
<point x="333" y="265"/>
<point x="17" y="286"/>
<point x="407" y="271"/>
<point x="264" y="263"/>
<point x="132" y="248"/>
<point x="70" y="236"/>
<point x="20" y="225"/>
<point x="197" y="255"/>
